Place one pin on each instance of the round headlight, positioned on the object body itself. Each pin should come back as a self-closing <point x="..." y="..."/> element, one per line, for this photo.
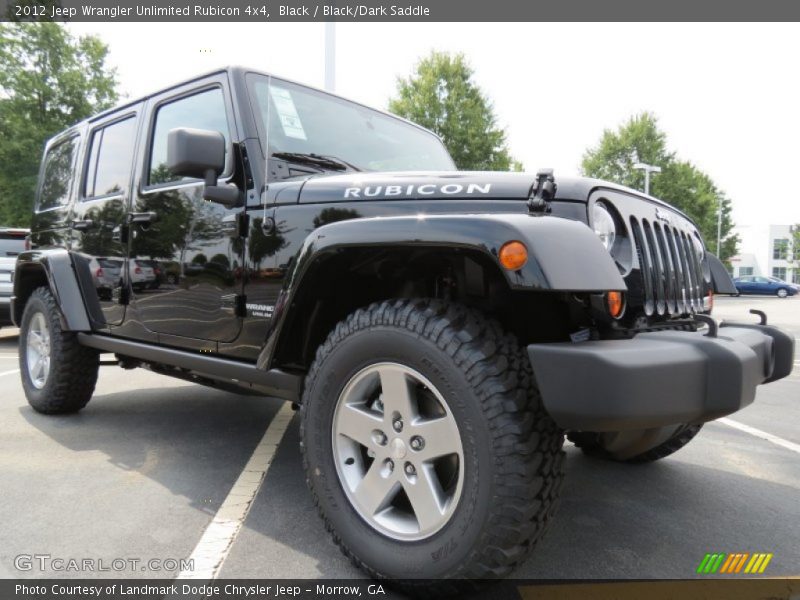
<point x="603" y="224"/>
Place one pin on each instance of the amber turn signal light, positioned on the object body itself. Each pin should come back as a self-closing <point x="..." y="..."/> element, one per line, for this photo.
<point x="513" y="255"/>
<point x="616" y="304"/>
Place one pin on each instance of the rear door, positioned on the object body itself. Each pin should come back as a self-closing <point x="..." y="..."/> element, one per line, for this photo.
<point x="99" y="215"/>
<point x="187" y="235"/>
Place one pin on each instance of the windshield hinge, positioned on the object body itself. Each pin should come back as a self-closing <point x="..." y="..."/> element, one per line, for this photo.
<point x="542" y="192"/>
<point x="243" y="222"/>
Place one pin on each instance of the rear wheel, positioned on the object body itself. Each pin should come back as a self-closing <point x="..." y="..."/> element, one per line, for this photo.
<point x="426" y="446"/>
<point x="58" y="374"/>
<point x="635" y="446"/>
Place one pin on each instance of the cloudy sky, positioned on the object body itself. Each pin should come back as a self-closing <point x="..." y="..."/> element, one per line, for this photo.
<point x="727" y="95"/>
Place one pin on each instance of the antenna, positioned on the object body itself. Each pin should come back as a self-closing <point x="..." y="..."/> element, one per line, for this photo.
<point x="266" y="148"/>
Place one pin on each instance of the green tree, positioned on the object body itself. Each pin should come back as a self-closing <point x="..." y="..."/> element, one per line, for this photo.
<point x="442" y="97"/>
<point x="680" y="182"/>
<point x="49" y="81"/>
<point x="794" y="253"/>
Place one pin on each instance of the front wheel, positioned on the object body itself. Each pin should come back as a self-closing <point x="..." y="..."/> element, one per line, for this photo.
<point x="58" y="374"/>
<point x="426" y="446"/>
<point x="782" y="293"/>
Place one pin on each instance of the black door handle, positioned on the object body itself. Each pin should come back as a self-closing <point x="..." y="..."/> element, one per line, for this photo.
<point x="82" y="225"/>
<point x="142" y="217"/>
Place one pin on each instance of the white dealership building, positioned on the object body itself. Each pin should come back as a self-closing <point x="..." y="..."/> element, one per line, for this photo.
<point x="780" y="257"/>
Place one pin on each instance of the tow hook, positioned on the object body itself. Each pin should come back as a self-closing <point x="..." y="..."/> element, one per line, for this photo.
<point x="711" y="322"/>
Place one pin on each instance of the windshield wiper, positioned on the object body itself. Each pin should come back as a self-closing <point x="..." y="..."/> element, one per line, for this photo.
<point x="316" y="160"/>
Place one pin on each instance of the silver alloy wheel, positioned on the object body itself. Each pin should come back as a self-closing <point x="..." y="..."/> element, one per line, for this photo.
<point x="37" y="350"/>
<point x="398" y="451"/>
<point x="782" y="293"/>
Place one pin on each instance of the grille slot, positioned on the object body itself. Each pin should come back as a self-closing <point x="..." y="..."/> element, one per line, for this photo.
<point x="670" y="268"/>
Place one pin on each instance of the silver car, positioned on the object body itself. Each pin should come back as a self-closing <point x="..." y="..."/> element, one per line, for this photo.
<point x="12" y="242"/>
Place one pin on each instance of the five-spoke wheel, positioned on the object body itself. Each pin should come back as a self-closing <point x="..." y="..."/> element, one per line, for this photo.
<point x="37" y="347"/>
<point x="398" y="451"/>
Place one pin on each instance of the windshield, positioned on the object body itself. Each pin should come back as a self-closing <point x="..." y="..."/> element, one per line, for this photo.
<point x="305" y="121"/>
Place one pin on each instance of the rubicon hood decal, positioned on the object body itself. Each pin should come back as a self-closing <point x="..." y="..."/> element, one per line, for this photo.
<point x="414" y="191"/>
<point x="354" y="187"/>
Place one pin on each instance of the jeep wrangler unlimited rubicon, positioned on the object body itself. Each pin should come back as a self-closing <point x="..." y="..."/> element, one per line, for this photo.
<point x="439" y="330"/>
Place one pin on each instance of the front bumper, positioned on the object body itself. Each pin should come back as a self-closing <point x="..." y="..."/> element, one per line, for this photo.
<point x="657" y="379"/>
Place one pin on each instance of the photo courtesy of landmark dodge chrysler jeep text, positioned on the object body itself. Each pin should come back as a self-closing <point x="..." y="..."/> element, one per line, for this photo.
<point x="440" y="331"/>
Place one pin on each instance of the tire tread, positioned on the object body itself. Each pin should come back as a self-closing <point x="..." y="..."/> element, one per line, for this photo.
<point x="527" y="444"/>
<point x="73" y="367"/>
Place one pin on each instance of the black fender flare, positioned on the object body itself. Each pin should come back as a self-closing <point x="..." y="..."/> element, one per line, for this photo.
<point x="720" y="278"/>
<point x="563" y="255"/>
<point x="57" y="266"/>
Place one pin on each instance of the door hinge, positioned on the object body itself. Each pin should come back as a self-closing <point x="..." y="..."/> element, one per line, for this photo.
<point x="237" y="303"/>
<point x="244" y="224"/>
<point x="121" y="295"/>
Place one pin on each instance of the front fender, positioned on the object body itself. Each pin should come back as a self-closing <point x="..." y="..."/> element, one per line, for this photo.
<point x="53" y="266"/>
<point x="564" y="255"/>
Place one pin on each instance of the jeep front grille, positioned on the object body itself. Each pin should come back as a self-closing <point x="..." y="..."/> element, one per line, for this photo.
<point x="672" y="276"/>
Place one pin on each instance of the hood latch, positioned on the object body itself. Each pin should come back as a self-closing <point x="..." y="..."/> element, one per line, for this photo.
<point x="542" y="192"/>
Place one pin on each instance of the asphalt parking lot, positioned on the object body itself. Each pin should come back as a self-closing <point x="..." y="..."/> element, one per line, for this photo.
<point x="142" y="471"/>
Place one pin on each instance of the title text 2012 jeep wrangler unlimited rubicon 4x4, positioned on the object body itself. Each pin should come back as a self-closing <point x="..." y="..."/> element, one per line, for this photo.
<point x="439" y="330"/>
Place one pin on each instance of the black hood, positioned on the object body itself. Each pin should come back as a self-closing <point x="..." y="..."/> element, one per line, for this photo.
<point x="447" y="185"/>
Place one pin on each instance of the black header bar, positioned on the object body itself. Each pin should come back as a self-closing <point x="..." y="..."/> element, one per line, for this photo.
<point x="399" y="10"/>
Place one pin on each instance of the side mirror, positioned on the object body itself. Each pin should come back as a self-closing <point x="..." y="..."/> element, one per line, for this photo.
<point x="200" y="153"/>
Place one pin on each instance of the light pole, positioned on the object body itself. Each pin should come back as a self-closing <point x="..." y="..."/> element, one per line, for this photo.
<point x="719" y="223"/>
<point x="330" y="56"/>
<point x="647" y="170"/>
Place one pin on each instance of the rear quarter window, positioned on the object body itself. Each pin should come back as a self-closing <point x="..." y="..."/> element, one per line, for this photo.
<point x="58" y="174"/>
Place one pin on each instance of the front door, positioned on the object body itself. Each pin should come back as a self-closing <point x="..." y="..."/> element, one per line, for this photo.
<point x="184" y="264"/>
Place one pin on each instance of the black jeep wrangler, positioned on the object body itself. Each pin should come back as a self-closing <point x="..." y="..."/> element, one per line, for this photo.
<point x="439" y="330"/>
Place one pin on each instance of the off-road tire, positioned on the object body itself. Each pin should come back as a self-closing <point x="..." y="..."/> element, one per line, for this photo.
<point x="512" y="449"/>
<point x="73" y="368"/>
<point x="591" y="445"/>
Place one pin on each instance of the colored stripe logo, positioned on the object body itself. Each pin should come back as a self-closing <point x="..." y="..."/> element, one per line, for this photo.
<point x="737" y="562"/>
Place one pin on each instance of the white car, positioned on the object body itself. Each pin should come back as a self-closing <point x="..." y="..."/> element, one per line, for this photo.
<point x="106" y="274"/>
<point x="142" y="275"/>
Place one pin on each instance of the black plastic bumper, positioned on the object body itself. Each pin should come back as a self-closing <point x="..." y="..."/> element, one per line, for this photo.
<point x="658" y="379"/>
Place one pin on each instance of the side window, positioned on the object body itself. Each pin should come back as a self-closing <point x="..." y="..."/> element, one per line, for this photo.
<point x="59" y="167"/>
<point x="205" y="110"/>
<point x="110" y="159"/>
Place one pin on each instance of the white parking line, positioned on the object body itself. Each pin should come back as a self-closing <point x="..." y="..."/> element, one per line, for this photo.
<point x="9" y="372"/>
<point x="761" y="434"/>
<point x="213" y="547"/>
